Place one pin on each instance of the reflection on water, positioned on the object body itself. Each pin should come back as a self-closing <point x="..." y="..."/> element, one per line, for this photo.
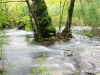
<point x="80" y="56"/>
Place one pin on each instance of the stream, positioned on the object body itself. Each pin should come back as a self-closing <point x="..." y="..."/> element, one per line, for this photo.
<point x="79" y="56"/>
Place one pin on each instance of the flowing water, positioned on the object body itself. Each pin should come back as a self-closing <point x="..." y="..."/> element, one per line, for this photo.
<point x="79" y="56"/>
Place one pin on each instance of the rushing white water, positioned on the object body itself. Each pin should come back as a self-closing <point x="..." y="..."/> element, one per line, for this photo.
<point x="80" y="56"/>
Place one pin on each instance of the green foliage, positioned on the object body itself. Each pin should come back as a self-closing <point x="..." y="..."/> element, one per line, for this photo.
<point x="55" y="8"/>
<point x="41" y="70"/>
<point x="87" y="13"/>
<point x="3" y="20"/>
<point x="25" y="20"/>
<point x="14" y="12"/>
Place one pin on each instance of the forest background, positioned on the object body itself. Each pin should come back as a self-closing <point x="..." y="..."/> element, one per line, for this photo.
<point x="16" y="14"/>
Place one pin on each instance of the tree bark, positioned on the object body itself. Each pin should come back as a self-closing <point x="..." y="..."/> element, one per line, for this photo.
<point x="37" y="32"/>
<point x="42" y="20"/>
<point x="67" y="30"/>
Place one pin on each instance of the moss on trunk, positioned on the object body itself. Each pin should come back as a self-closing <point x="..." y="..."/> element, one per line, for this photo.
<point x="44" y="25"/>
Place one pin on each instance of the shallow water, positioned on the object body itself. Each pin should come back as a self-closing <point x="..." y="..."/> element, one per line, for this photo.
<point x="80" y="56"/>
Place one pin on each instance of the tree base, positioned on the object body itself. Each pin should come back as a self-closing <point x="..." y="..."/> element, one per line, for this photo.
<point x="64" y="36"/>
<point x="53" y="39"/>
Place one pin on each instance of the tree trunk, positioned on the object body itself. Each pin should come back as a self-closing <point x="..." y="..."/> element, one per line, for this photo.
<point x="67" y="30"/>
<point x="42" y="20"/>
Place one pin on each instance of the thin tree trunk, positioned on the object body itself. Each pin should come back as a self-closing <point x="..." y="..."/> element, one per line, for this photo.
<point x="67" y="30"/>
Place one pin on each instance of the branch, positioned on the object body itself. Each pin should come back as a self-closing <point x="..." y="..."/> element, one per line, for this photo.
<point x="11" y="1"/>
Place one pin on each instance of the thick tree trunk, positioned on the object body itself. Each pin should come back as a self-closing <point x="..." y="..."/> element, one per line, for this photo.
<point x="67" y="30"/>
<point x="42" y="20"/>
<point x="31" y="8"/>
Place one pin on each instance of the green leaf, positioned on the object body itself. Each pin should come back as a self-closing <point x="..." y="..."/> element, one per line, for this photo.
<point x="45" y="67"/>
<point x="3" y="43"/>
<point x="3" y="36"/>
